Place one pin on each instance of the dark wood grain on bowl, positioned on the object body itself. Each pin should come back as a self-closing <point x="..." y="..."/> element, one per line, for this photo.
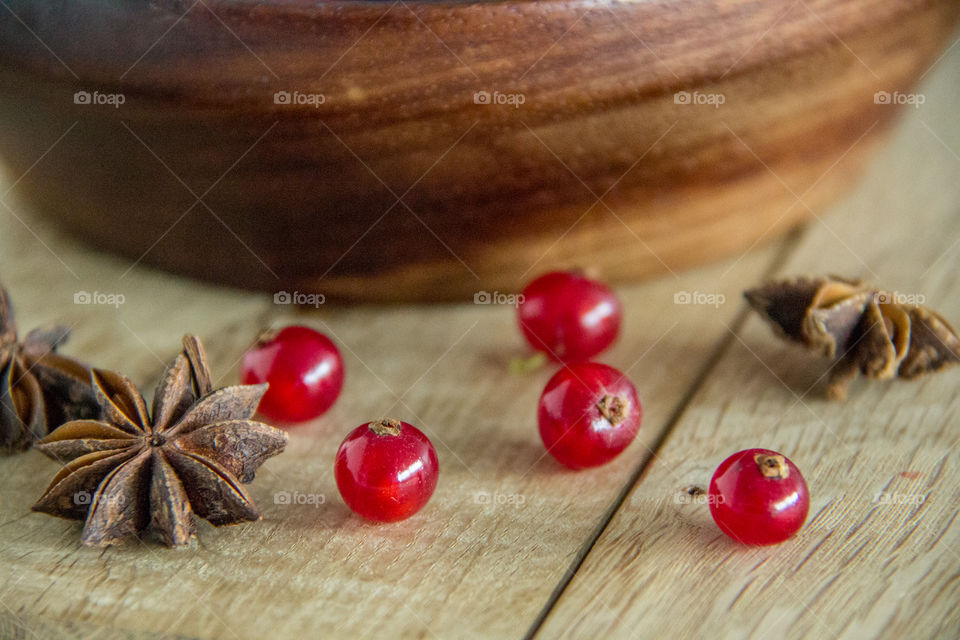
<point x="399" y="185"/>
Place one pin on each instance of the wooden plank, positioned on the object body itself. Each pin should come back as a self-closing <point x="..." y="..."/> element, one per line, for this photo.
<point x="880" y="554"/>
<point x="504" y="526"/>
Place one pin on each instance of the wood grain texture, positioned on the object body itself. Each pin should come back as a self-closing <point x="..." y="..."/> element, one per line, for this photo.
<point x="880" y="554"/>
<point x="306" y="196"/>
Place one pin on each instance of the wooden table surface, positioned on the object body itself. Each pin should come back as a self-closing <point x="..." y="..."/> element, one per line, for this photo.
<point x="511" y="543"/>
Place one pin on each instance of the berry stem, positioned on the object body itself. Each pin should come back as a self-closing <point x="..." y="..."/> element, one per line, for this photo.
<point x="613" y="408"/>
<point x="772" y="466"/>
<point x="520" y="366"/>
<point x="385" y="427"/>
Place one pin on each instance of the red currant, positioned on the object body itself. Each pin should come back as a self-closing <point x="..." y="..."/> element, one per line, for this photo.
<point x="568" y="316"/>
<point x="588" y="414"/>
<point x="304" y="369"/>
<point x="758" y="497"/>
<point x="386" y="470"/>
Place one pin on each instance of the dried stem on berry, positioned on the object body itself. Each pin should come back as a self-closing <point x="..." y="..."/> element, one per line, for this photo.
<point x="772" y="466"/>
<point x="758" y="497"/>
<point x="386" y="427"/>
<point x="386" y="479"/>
<point x="613" y="408"/>
<point x="588" y="414"/>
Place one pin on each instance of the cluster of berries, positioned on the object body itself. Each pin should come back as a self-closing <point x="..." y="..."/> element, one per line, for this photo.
<point x="588" y="413"/>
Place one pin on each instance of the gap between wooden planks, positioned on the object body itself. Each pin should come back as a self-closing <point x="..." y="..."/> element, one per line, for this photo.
<point x="880" y="554"/>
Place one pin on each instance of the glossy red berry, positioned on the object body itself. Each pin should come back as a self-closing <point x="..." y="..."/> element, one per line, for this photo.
<point x="386" y="470"/>
<point x="758" y="497"/>
<point x="304" y="369"/>
<point x="569" y="317"/>
<point x="588" y="414"/>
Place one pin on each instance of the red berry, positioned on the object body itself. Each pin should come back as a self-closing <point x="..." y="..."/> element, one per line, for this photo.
<point x="588" y="414"/>
<point x="758" y="497"/>
<point x="568" y="316"/>
<point x="304" y="370"/>
<point x="386" y="470"/>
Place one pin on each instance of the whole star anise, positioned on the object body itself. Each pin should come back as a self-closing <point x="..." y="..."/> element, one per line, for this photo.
<point x="870" y="331"/>
<point x="138" y="472"/>
<point x="39" y="389"/>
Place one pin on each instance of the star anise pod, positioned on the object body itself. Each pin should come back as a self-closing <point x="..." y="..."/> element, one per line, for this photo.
<point x="39" y="389"/>
<point x="868" y="329"/>
<point x="139" y="472"/>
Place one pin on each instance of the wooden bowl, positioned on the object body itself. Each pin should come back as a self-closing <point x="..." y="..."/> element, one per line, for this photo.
<point x="431" y="150"/>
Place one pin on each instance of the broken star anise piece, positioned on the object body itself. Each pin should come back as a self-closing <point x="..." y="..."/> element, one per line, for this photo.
<point x="820" y="313"/>
<point x="39" y="389"/>
<point x="140" y="471"/>
<point x="867" y="329"/>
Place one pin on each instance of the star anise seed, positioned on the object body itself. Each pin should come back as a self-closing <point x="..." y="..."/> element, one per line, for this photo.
<point x="867" y="329"/>
<point x="39" y="389"/>
<point x="138" y="471"/>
